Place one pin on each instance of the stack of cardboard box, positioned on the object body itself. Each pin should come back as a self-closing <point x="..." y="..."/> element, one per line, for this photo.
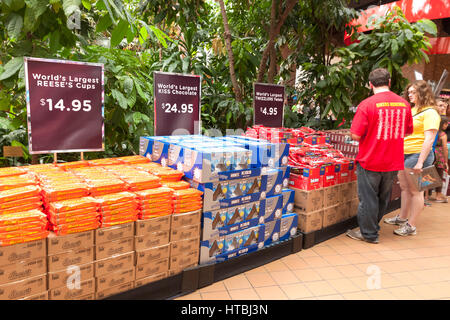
<point x="324" y="207"/>
<point x="71" y="266"/>
<point x="114" y="260"/>
<point x="23" y="271"/>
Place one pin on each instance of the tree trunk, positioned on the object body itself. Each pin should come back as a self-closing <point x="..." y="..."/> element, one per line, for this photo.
<point x="272" y="65"/>
<point x="274" y="32"/>
<point x="237" y="90"/>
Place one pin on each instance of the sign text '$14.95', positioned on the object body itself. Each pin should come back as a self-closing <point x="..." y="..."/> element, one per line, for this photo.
<point x="74" y="105"/>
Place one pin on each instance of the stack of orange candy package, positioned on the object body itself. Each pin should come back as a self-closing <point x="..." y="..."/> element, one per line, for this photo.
<point x="66" y="199"/>
<point x="21" y="216"/>
<point x="187" y="200"/>
<point x="117" y="208"/>
<point x="155" y="202"/>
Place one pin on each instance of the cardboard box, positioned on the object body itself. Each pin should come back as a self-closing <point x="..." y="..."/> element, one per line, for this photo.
<point x="184" y="260"/>
<point x="346" y="192"/>
<point x="288" y="200"/>
<point x="59" y="278"/>
<point x="274" y="182"/>
<point x="23" y="251"/>
<point x="343" y="211"/>
<point x="149" y="255"/>
<point x="144" y="227"/>
<point x="114" y="290"/>
<point x="331" y="196"/>
<point x="113" y="264"/>
<point x="120" y="231"/>
<point x="354" y="204"/>
<point x="153" y="268"/>
<point x="271" y="208"/>
<point x="66" y="259"/>
<point x="308" y="201"/>
<point x="188" y="232"/>
<point x="182" y="246"/>
<point x="354" y="189"/>
<point x="112" y="248"/>
<point x="73" y="293"/>
<point x="330" y="216"/>
<point x="90" y="296"/>
<point x="186" y="219"/>
<point x="115" y="279"/>
<point x="310" y="221"/>
<point x="151" y="240"/>
<point x="58" y="244"/>
<point x="37" y="296"/>
<point x="23" y="270"/>
<point x="23" y="288"/>
<point x="150" y="279"/>
<point x="271" y="232"/>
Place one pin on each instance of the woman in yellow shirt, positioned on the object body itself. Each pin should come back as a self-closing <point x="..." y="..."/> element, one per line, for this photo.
<point x="418" y="154"/>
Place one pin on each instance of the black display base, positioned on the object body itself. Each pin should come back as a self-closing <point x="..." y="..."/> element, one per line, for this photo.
<point x="201" y="276"/>
<point x="315" y="237"/>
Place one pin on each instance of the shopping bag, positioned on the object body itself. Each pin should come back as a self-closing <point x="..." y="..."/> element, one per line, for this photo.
<point x="426" y="180"/>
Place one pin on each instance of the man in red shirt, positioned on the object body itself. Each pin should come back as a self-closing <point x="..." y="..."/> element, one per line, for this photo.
<point x="380" y="124"/>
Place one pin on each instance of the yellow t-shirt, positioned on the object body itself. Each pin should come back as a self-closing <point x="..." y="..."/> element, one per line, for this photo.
<point x="427" y="119"/>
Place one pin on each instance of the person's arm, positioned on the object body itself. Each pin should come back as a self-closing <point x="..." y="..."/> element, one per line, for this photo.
<point x="359" y="124"/>
<point x="430" y="135"/>
<point x="444" y="145"/>
<point x="355" y="137"/>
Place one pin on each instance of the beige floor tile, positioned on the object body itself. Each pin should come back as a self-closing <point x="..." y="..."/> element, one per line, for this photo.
<point x="428" y="276"/>
<point x="191" y="296"/>
<point x="354" y="258"/>
<point x="381" y="294"/>
<point x="356" y="296"/>
<point x="284" y="277"/>
<point x="271" y="293"/>
<point x="237" y="282"/>
<point x="331" y="297"/>
<point x="336" y="260"/>
<point x="218" y="295"/>
<point x="294" y="262"/>
<point x="360" y="282"/>
<point x="296" y="291"/>
<point x="373" y="256"/>
<point x="425" y="291"/>
<point x="243" y="294"/>
<point x="329" y="273"/>
<point x="388" y="281"/>
<point x="260" y="269"/>
<point x="343" y="285"/>
<point x="350" y="271"/>
<point x="306" y="253"/>
<point x="320" y="288"/>
<point x="442" y="289"/>
<point x="407" y="278"/>
<point x="343" y="249"/>
<point x="404" y="293"/>
<point x="216" y="286"/>
<point x="361" y="248"/>
<point x="391" y="255"/>
<point x="316" y="262"/>
<point x="307" y="275"/>
<point x="276" y="265"/>
<point x="324" y="251"/>
<point x="261" y="280"/>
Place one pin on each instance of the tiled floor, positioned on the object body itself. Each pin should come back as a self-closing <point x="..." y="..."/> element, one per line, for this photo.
<point x="416" y="267"/>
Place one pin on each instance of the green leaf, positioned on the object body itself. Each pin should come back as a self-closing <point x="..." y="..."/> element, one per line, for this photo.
<point x="120" y="98"/>
<point x="103" y="23"/>
<point x="128" y="85"/>
<point x="54" y="41"/>
<point x="119" y="33"/>
<point x="428" y="26"/>
<point x="409" y="34"/>
<point x="143" y="35"/>
<point x="87" y="4"/>
<point x="16" y="5"/>
<point x="130" y="34"/>
<point x="12" y="67"/>
<point x="5" y="124"/>
<point x="172" y="67"/>
<point x="185" y="65"/>
<point x="132" y="98"/>
<point x="14" y="25"/>
<point x="394" y="46"/>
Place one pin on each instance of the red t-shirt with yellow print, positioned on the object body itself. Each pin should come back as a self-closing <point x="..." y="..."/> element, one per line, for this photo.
<point x="382" y="121"/>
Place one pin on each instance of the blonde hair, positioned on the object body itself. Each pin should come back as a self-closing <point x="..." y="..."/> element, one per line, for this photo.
<point x="425" y="96"/>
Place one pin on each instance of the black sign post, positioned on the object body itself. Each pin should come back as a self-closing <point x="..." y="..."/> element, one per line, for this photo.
<point x="177" y="103"/>
<point x="268" y="104"/>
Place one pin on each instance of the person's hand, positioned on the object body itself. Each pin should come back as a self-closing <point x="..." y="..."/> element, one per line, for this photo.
<point x="418" y="168"/>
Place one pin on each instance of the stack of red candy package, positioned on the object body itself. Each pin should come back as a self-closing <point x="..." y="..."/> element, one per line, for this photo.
<point x="314" y="162"/>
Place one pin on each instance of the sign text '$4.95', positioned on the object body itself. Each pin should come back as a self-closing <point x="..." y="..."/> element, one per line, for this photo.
<point x="74" y="105"/>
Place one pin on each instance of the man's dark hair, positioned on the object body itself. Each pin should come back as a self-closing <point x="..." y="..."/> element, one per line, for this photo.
<point x="379" y="77"/>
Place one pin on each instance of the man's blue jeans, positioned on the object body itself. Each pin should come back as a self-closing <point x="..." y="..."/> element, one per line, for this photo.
<point x="374" y="193"/>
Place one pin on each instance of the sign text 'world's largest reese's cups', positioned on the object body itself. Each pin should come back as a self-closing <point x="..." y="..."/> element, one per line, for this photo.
<point x="64" y="105"/>
<point x="177" y="103"/>
<point x="268" y="104"/>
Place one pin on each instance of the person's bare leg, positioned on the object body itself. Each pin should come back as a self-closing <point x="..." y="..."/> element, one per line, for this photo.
<point x="417" y="205"/>
<point x="406" y="196"/>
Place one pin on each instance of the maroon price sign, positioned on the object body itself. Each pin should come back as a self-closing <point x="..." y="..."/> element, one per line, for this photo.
<point x="268" y="104"/>
<point x="177" y="103"/>
<point x="64" y="106"/>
